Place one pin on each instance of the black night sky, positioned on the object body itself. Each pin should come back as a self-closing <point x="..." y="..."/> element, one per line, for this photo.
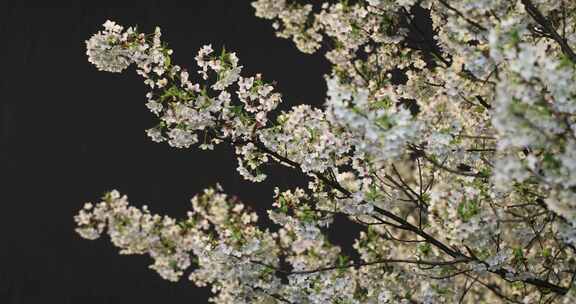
<point x="68" y="133"/>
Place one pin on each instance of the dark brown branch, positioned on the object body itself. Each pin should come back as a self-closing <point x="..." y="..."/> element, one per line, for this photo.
<point x="404" y="224"/>
<point x="495" y="289"/>
<point x="457" y="12"/>
<point x="548" y="29"/>
<point x="443" y="167"/>
<point x="483" y="102"/>
<point x="362" y="264"/>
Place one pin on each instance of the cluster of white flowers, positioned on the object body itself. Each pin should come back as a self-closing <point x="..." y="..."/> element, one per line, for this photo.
<point x="218" y="236"/>
<point x="290" y="21"/>
<point x="304" y="136"/>
<point x="379" y="129"/>
<point x="250" y="161"/>
<point x="257" y="97"/>
<point x="104" y="49"/>
<point x="461" y="177"/>
<point x="137" y="231"/>
<point x="190" y="113"/>
<point x="460" y="215"/>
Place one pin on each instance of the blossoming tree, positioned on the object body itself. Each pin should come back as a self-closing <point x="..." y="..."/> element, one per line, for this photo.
<point x="462" y="178"/>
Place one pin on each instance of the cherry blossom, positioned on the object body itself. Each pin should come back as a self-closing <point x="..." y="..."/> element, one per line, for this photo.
<point x="460" y="176"/>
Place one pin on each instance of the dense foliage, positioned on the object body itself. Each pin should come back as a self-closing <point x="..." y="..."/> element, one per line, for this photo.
<point x="462" y="176"/>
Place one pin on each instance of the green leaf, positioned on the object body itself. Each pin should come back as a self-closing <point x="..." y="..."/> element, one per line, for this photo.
<point x="550" y="162"/>
<point x="425" y="248"/>
<point x="468" y="209"/>
<point x="384" y="103"/>
<point x="518" y="253"/>
<point x="384" y="122"/>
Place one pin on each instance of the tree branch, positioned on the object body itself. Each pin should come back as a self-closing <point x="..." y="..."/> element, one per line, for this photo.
<point x="548" y="28"/>
<point x="457" y="12"/>
<point x="458" y="256"/>
<point x="362" y="264"/>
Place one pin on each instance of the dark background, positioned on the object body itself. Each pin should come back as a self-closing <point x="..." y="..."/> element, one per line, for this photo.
<point x="69" y="133"/>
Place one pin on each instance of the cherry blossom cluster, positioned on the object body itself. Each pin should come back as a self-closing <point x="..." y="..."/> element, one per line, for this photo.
<point x="459" y="173"/>
<point x="290" y="21"/>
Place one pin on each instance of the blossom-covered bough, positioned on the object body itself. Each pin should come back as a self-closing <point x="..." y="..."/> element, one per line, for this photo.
<point x="462" y="177"/>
